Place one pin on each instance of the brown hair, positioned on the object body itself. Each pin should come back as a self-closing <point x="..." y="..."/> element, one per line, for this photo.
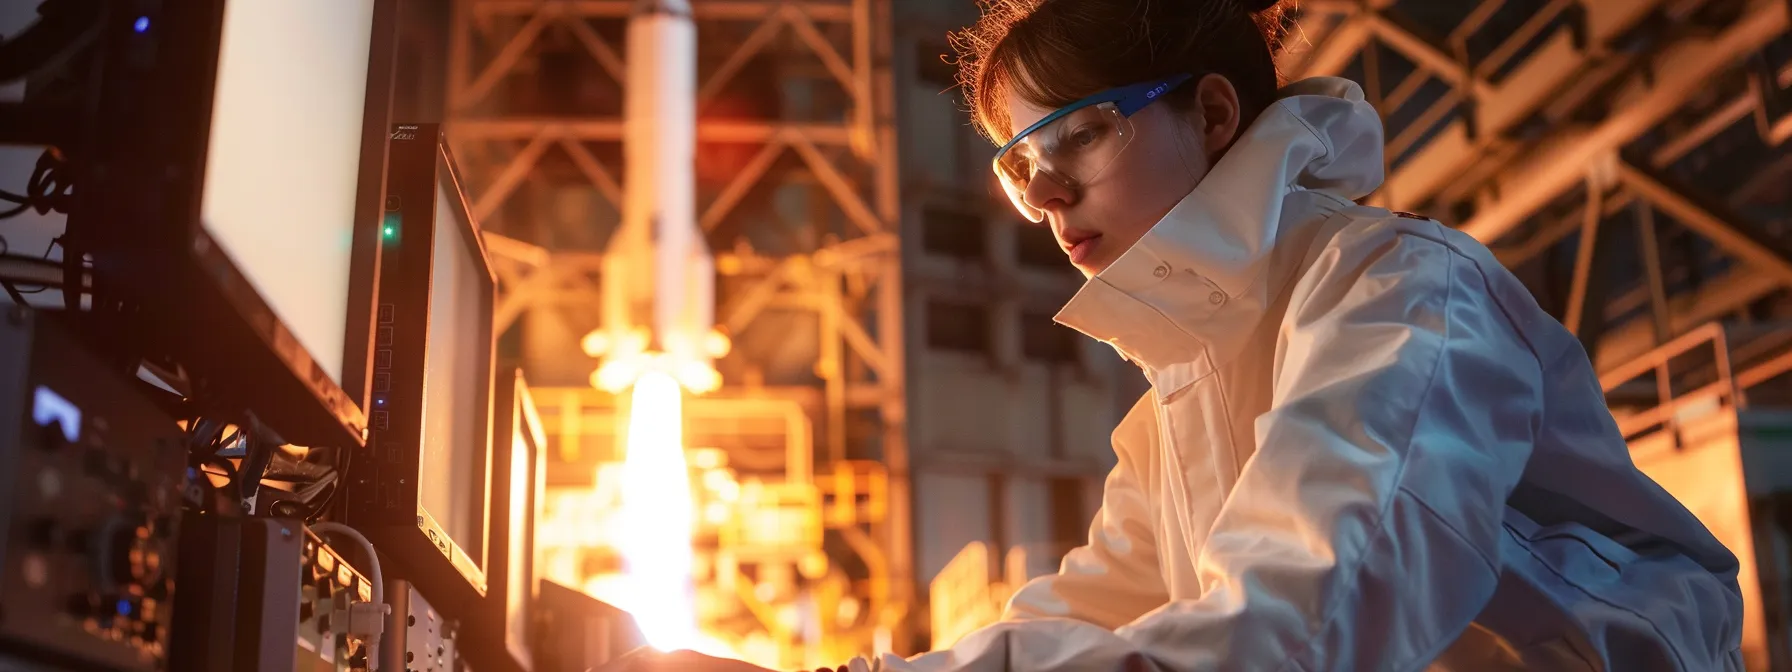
<point x="1054" y="52"/>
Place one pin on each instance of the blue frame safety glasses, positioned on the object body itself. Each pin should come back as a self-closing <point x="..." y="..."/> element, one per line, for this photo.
<point x="1075" y="143"/>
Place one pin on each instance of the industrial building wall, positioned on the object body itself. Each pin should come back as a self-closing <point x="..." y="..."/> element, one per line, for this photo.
<point x="1010" y="414"/>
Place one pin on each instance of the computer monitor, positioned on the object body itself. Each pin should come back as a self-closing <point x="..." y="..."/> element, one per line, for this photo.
<point x="421" y="492"/>
<point x="232" y="198"/>
<point x="579" y="632"/>
<point x="500" y="633"/>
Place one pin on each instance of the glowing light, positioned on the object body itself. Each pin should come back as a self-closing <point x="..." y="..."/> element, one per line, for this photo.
<point x="615" y="375"/>
<point x="141" y="25"/>
<point x="717" y="344"/>
<point x="596" y="343"/>
<point x="698" y="377"/>
<point x="657" y="518"/>
<point x="656" y="496"/>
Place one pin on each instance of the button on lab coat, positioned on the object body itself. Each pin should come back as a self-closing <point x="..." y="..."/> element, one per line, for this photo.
<point x="1366" y="448"/>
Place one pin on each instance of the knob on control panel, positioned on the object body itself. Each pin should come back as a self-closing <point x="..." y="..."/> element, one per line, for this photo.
<point x="81" y="571"/>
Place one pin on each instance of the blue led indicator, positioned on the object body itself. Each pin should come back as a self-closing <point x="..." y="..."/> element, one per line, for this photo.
<point x="124" y="607"/>
<point x="141" y="25"/>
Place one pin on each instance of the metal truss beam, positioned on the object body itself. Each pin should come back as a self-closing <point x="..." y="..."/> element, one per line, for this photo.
<point x="1763" y="270"/>
<point x="1557" y="166"/>
<point x="1561" y="160"/>
<point x="1673" y="150"/>
<point x="1558" y="73"/>
<point x="720" y="10"/>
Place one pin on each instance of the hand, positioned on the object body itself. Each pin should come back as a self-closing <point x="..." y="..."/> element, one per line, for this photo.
<point x="678" y="661"/>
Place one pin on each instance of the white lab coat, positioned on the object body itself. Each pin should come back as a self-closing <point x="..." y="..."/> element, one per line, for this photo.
<point x="1366" y="448"/>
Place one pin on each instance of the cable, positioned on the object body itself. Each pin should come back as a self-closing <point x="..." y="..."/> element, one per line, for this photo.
<point x="10" y="289"/>
<point x="258" y="451"/>
<point x="371" y="626"/>
<point x="13" y="293"/>
<point x="373" y="560"/>
<point x="204" y="441"/>
<point x="48" y="189"/>
<point x="344" y="459"/>
<point x="44" y="259"/>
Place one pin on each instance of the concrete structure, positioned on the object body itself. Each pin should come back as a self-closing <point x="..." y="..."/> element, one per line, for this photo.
<point x="1009" y="432"/>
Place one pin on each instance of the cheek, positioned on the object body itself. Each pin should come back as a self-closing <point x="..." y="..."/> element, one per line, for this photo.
<point x="1142" y="185"/>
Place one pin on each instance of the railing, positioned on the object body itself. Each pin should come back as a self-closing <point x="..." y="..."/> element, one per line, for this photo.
<point x="1725" y="391"/>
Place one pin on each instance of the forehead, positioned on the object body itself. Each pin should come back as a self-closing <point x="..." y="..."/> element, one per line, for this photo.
<point x="1022" y="113"/>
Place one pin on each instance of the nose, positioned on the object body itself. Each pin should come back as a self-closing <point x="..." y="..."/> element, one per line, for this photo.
<point x="1048" y="194"/>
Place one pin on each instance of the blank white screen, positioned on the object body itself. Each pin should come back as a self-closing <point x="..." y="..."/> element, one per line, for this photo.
<point x="285" y="155"/>
<point x="452" y="484"/>
<point x="517" y="600"/>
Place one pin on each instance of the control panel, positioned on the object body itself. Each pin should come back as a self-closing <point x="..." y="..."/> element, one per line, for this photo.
<point x="265" y="594"/>
<point x="90" y="501"/>
<point x="327" y="586"/>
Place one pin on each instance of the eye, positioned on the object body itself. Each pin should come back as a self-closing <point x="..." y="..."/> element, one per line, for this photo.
<point x="1018" y="169"/>
<point x="1085" y="136"/>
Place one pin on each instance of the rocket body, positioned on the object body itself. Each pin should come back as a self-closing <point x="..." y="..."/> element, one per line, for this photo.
<point x="659" y="282"/>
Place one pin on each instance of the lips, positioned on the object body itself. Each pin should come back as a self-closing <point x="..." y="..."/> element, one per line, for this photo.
<point x="1079" y="244"/>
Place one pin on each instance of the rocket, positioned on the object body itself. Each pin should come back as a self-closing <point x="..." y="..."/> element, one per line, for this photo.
<point x="658" y="289"/>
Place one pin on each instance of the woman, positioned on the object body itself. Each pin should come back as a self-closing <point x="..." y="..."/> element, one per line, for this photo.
<point x="1366" y="447"/>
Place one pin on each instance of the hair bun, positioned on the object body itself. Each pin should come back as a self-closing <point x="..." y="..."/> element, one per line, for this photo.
<point x="1261" y="6"/>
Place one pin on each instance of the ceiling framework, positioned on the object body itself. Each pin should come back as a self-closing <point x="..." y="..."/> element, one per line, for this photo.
<point x="1627" y="158"/>
<point x="510" y="122"/>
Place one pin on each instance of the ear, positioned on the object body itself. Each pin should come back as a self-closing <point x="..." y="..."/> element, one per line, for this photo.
<point x="1220" y="114"/>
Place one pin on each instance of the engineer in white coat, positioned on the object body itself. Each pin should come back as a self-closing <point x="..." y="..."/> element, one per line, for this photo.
<point x="1366" y="448"/>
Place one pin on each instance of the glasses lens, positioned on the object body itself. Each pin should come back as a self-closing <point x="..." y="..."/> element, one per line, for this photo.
<point x="1070" y="151"/>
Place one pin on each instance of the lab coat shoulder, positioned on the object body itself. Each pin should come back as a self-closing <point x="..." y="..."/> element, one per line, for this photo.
<point x="1403" y="410"/>
<point x="1406" y="247"/>
<point x="1408" y="331"/>
<point x="1416" y="286"/>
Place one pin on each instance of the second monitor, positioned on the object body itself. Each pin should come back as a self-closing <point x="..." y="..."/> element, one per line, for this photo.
<point x="422" y="492"/>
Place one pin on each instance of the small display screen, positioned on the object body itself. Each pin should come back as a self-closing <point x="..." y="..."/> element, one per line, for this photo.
<point x="521" y="578"/>
<point x="284" y="158"/>
<point x="454" y="479"/>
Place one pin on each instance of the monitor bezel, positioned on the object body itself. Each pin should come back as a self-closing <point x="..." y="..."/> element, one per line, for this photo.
<point x="496" y="645"/>
<point x="384" y="497"/>
<point x="190" y="303"/>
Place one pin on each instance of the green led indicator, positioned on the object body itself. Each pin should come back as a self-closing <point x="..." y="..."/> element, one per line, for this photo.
<point x="389" y="228"/>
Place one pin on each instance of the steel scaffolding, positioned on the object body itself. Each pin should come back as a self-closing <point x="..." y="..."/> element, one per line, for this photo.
<point x="849" y="278"/>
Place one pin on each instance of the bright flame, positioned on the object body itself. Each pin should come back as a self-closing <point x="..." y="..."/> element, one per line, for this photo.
<point x="657" y="516"/>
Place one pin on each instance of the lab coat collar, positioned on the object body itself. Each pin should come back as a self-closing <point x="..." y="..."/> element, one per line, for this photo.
<point x="1195" y="286"/>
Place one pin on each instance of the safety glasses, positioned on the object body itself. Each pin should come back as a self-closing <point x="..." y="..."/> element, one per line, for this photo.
<point x="1075" y="143"/>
